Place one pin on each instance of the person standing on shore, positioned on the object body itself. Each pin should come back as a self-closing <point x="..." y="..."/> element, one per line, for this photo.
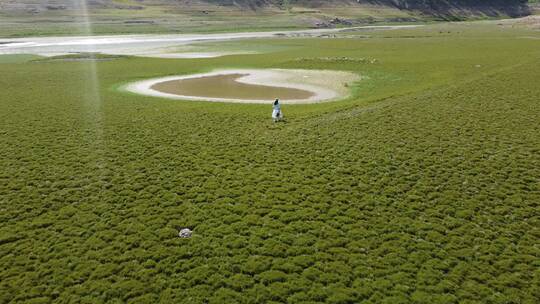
<point x="276" y="113"/>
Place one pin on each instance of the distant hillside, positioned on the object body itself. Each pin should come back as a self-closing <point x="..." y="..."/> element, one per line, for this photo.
<point x="66" y="17"/>
<point x="422" y="5"/>
<point x="441" y="7"/>
<point x="514" y="7"/>
<point x="403" y="4"/>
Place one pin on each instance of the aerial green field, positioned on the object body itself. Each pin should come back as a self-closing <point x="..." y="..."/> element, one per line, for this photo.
<point x="422" y="187"/>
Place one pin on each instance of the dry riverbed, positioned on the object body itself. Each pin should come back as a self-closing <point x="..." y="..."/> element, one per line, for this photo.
<point x="149" y="45"/>
<point x="250" y="86"/>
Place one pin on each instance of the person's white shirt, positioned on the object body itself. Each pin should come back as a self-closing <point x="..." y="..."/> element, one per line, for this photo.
<point x="276" y="113"/>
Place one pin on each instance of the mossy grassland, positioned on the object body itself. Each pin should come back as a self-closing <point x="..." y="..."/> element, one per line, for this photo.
<point x="421" y="188"/>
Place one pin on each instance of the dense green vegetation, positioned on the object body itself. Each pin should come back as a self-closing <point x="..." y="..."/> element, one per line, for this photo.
<point x="422" y="188"/>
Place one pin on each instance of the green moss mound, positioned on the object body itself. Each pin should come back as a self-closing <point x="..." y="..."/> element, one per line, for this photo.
<point x="422" y="188"/>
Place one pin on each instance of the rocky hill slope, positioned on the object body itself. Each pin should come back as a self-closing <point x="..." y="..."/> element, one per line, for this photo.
<point x="71" y="17"/>
<point x="434" y="6"/>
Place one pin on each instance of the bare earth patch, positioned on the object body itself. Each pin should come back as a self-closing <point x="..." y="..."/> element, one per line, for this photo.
<point x="251" y="86"/>
<point x="530" y="22"/>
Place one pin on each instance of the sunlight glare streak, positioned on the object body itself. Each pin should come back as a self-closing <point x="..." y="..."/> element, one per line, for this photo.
<point x="90" y="90"/>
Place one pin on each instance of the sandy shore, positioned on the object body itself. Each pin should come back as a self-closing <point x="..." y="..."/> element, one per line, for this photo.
<point x="325" y="85"/>
<point x="148" y="45"/>
<point x="192" y="55"/>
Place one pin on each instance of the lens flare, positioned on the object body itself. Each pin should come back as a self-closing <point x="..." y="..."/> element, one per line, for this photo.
<point x="93" y="96"/>
<point x="90" y="87"/>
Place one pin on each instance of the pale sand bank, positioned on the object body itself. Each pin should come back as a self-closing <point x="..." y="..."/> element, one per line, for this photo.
<point x="193" y="55"/>
<point x="325" y="85"/>
<point x="148" y="45"/>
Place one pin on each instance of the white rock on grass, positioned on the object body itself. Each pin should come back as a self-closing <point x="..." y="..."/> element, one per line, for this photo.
<point x="185" y="233"/>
